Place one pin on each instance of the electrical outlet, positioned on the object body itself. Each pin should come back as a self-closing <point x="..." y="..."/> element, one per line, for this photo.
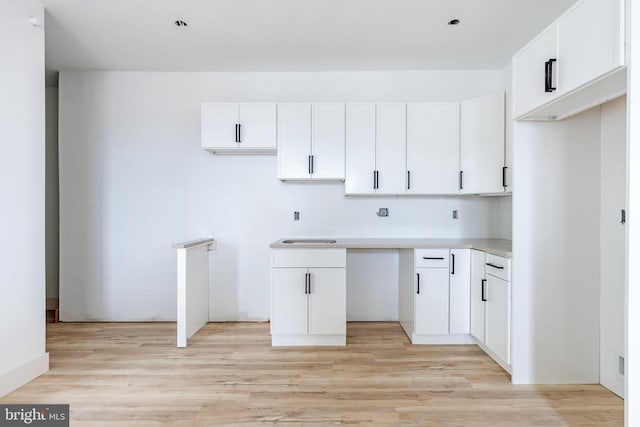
<point x="383" y="212"/>
<point x="454" y="214"/>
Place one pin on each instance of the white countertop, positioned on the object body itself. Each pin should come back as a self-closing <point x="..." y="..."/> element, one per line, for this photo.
<point x="500" y="247"/>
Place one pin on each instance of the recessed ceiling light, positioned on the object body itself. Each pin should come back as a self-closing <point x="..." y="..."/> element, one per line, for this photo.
<point x="453" y="22"/>
<point x="180" y="23"/>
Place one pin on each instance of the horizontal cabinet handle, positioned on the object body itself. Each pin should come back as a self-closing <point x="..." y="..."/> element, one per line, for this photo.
<point x="428" y="257"/>
<point x="495" y="266"/>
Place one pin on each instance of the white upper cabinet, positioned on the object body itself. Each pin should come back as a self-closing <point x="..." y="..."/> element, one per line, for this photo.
<point x="482" y="145"/>
<point x="531" y="70"/>
<point x="360" y="149"/>
<point x="433" y="148"/>
<point x="391" y="138"/>
<point x="589" y="42"/>
<point x="327" y="141"/>
<point x="294" y="141"/>
<point x="311" y="141"/>
<point x="233" y="128"/>
<point x="573" y="65"/>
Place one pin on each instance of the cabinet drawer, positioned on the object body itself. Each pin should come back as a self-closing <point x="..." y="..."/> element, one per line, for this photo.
<point x="432" y="258"/>
<point x="309" y="258"/>
<point x="498" y="266"/>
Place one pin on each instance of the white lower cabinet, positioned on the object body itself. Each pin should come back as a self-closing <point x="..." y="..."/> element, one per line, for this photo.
<point x="478" y="286"/>
<point x="491" y="305"/>
<point x="498" y="317"/>
<point x="432" y="301"/>
<point x="434" y="304"/>
<point x="308" y="297"/>
<point x="459" y="291"/>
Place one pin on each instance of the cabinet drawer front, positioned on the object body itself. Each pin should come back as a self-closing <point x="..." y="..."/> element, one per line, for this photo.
<point x="309" y="258"/>
<point x="432" y="258"/>
<point x="498" y="266"/>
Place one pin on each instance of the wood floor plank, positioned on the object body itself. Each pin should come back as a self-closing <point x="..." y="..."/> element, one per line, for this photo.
<point x="132" y="374"/>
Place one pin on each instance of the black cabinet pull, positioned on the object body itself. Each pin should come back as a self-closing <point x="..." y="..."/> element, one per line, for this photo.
<point x="312" y="163"/>
<point x="374" y="180"/>
<point x="504" y="176"/>
<point x="484" y="289"/>
<point x="431" y="257"/>
<point x="418" y="276"/>
<point x="495" y="266"/>
<point x="460" y="183"/>
<point x="307" y="283"/>
<point x="239" y="132"/>
<point x="453" y="264"/>
<point x="377" y="180"/>
<point x="408" y="180"/>
<point x="548" y="75"/>
<point x="309" y="166"/>
<point x="623" y="216"/>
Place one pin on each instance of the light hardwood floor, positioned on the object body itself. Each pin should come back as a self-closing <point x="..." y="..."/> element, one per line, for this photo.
<point x="131" y="374"/>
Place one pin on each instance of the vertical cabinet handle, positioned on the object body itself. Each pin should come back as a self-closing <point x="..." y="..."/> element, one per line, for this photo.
<point x="408" y="180"/>
<point x="239" y="132"/>
<point x="460" y="183"/>
<point x="309" y="166"/>
<point x="548" y="75"/>
<point x="623" y="216"/>
<point x="504" y="176"/>
<point x="307" y="283"/>
<point x="418" y="276"/>
<point x="484" y="289"/>
<point x="453" y="264"/>
<point x="312" y="163"/>
<point x="237" y="140"/>
<point x="375" y="181"/>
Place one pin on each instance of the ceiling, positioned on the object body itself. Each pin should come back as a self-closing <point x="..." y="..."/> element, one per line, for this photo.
<point x="290" y="35"/>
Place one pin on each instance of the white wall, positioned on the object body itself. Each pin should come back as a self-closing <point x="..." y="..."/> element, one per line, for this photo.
<point x="51" y="191"/>
<point x="556" y="251"/>
<point x="22" y="167"/>
<point x="613" y="152"/>
<point x="632" y="312"/>
<point x="133" y="180"/>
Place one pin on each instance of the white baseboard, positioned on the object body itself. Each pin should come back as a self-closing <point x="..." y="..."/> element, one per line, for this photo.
<point x="445" y="339"/>
<point x="308" y="340"/>
<point x="19" y="376"/>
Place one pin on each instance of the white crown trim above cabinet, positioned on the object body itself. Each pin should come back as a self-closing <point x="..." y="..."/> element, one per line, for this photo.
<point x="311" y="141"/>
<point x="238" y="128"/>
<point x="574" y="64"/>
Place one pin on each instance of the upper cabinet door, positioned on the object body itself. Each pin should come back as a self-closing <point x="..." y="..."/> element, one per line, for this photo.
<point x="589" y="42"/>
<point x="219" y="124"/>
<point x="360" y="159"/>
<point x="328" y="141"/>
<point x="257" y="125"/>
<point x="482" y="145"/>
<point x="294" y="141"/>
<point x="433" y="148"/>
<point x="530" y="70"/>
<point x="391" y="145"/>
